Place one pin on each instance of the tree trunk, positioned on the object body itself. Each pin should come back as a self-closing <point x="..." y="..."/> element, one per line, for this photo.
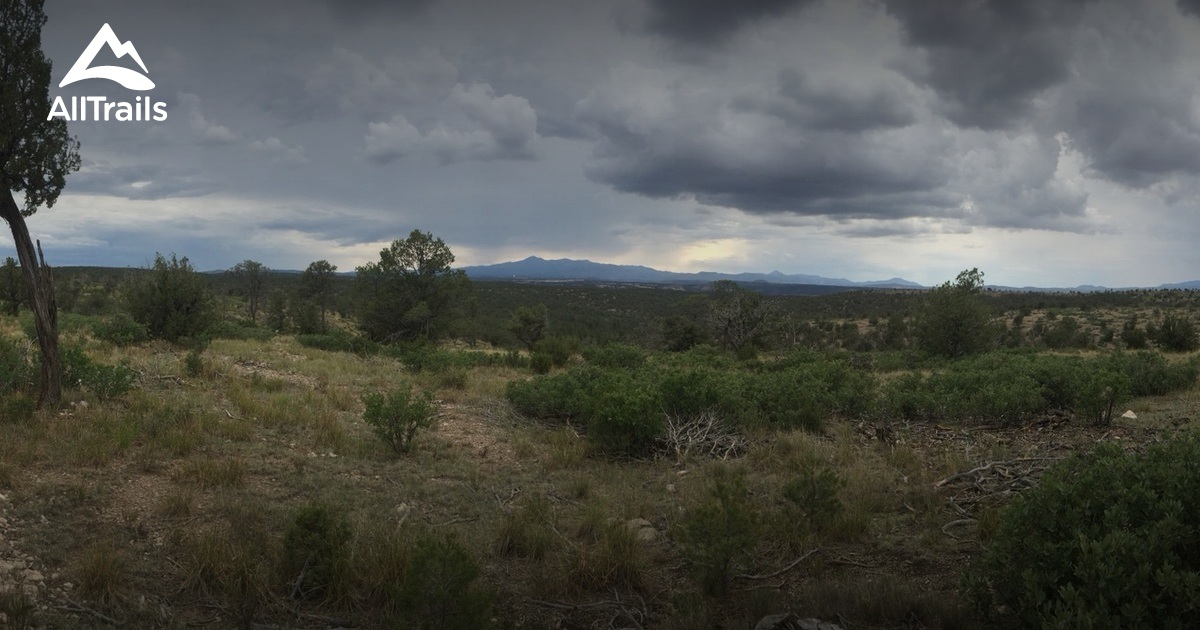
<point x="41" y="300"/>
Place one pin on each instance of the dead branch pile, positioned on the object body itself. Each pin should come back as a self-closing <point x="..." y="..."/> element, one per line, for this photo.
<point x="703" y="435"/>
<point x="995" y="479"/>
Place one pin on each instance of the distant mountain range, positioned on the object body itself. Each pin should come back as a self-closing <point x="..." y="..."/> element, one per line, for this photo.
<point x="534" y="268"/>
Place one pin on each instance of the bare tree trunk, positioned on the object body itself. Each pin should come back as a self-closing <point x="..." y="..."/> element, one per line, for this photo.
<point x="41" y="300"/>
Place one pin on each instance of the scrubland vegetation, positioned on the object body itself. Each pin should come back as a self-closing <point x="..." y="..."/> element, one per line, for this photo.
<point x="408" y="450"/>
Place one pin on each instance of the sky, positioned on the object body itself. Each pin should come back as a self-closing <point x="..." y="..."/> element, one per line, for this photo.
<point x="1046" y="142"/>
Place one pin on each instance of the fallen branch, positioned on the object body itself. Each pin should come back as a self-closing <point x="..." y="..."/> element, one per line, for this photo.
<point x="845" y="560"/>
<point x="961" y="521"/>
<point x="789" y="567"/>
<point x="80" y="608"/>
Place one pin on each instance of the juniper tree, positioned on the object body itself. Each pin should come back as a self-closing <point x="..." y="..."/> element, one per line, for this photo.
<point x="36" y="154"/>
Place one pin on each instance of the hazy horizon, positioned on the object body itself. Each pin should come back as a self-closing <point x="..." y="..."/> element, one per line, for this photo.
<point x="1049" y="144"/>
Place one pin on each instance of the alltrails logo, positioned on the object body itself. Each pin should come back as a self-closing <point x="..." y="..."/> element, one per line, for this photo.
<point x="141" y="109"/>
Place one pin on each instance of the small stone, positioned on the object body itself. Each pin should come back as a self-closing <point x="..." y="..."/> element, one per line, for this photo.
<point x="670" y="487"/>
<point x="68" y="586"/>
<point x="30" y="590"/>
<point x="642" y="529"/>
<point x="1129" y="414"/>
<point x="33" y="576"/>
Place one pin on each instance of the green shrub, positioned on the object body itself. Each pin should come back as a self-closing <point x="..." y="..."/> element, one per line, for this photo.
<point x="1150" y="374"/>
<point x="339" y="342"/>
<point x="315" y="549"/>
<point x="540" y="363"/>
<point x="812" y="497"/>
<point x="15" y="407"/>
<point x="396" y="417"/>
<point x="16" y="368"/>
<point x="560" y="348"/>
<point x="110" y="381"/>
<point x="616" y="355"/>
<point x="172" y="301"/>
<point x="76" y="366"/>
<point x="193" y="362"/>
<point x="439" y="590"/>
<point x="120" y="329"/>
<point x="1176" y="333"/>
<point x="719" y="533"/>
<point x="1106" y="539"/>
<point x="565" y="395"/>
<point x="625" y="416"/>
<point x="692" y="391"/>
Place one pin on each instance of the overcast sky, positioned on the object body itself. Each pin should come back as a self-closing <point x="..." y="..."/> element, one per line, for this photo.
<point x="1045" y="142"/>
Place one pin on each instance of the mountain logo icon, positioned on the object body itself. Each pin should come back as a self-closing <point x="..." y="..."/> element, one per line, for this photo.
<point x="126" y="77"/>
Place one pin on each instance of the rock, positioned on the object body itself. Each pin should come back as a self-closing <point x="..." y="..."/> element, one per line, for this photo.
<point x="642" y="529"/>
<point x="789" y="621"/>
<point x="33" y="576"/>
<point x="1129" y="414"/>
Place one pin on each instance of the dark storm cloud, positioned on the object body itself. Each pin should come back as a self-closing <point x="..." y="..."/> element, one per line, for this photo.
<point x="844" y="107"/>
<point x="1189" y="7"/>
<point x="989" y="59"/>
<point x="705" y="22"/>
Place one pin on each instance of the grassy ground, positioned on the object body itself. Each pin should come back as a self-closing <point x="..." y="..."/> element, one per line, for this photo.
<point x="249" y="491"/>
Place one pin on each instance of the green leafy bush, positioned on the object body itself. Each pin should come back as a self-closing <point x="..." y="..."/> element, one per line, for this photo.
<point x="172" y="301"/>
<point x="812" y="497"/>
<point x="560" y="348"/>
<point x="110" y="381"/>
<point x="692" y="391"/>
<point x="16" y="369"/>
<point x="339" y="342"/>
<point x="16" y="406"/>
<point x="120" y="329"/>
<point x="719" y="533"/>
<point x="105" y="381"/>
<point x="396" y="417"/>
<point x="1176" y="333"/>
<point x="616" y="355"/>
<point x="1106" y="539"/>
<point x="564" y="395"/>
<point x="1150" y="374"/>
<point x="540" y="363"/>
<point x="625" y="416"/>
<point x="315" y="549"/>
<point x="439" y="589"/>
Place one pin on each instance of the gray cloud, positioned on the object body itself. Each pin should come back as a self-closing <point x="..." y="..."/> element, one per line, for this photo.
<point x="989" y="60"/>
<point x="705" y="22"/>
<point x="141" y="181"/>
<point x="842" y="106"/>
<point x="925" y="128"/>
<point x="489" y="127"/>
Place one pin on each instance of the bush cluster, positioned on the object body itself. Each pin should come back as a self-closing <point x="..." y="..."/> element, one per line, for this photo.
<point x="1011" y="386"/>
<point x="623" y="397"/>
<point x="1106" y="539"/>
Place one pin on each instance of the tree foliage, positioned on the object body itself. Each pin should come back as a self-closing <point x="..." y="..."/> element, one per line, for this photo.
<point x="36" y="154"/>
<point x="316" y="285"/>
<point x="411" y="293"/>
<point x="528" y="324"/>
<point x="736" y="315"/>
<point x="173" y="301"/>
<point x="954" y="320"/>
<point x="252" y="281"/>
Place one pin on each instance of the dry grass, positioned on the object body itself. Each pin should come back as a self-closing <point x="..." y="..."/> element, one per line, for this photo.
<point x="269" y="426"/>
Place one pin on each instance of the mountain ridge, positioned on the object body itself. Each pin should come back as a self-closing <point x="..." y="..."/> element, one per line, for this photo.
<point x="536" y="268"/>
